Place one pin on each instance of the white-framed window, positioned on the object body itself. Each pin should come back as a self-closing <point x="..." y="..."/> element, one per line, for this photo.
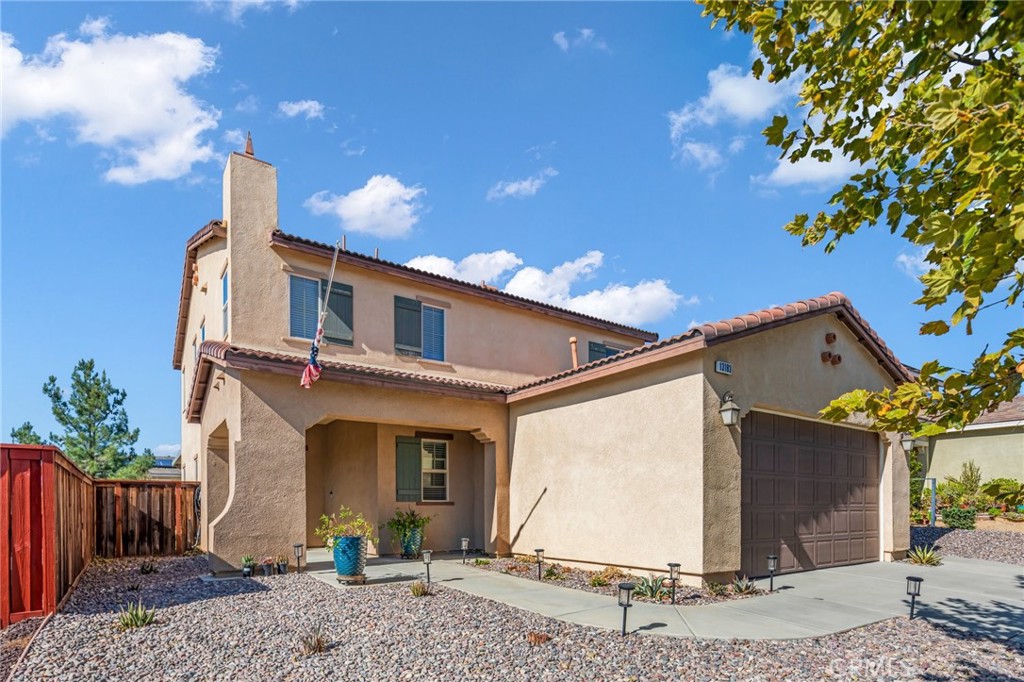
<point x="304" y="299"/>
<point x="434" y="471"/>
<point x="419" y="329"/>
<point x="224" y="302"/>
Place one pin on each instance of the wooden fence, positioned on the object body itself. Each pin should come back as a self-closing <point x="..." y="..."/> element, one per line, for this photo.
<point x="54" y="518"/>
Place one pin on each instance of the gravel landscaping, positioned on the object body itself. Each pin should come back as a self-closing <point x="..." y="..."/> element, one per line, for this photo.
<point x="579" y="579"/>
<point x="990" y="545"/>
<point x="13" y="639"/>
<point x="248" y="629"/>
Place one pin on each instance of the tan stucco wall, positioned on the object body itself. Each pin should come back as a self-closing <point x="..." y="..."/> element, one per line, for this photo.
<point x="781" y="370"/>
<point x="998" y="452"/>
<point x="610" y="472"/>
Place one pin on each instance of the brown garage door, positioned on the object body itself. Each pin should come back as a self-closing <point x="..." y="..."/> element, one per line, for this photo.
<point x="810" y="494"/>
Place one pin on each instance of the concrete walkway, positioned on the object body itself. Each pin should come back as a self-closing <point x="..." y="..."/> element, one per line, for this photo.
<point x="983" y="597"/>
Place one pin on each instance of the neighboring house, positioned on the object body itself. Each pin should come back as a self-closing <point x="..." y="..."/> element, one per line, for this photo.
<point x="165" y="469"/>
<point x="463" y="402"/>
<point x="995" y="441"/>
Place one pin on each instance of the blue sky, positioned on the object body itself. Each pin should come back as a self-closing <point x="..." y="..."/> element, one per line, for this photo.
<point x="605" y="157"/>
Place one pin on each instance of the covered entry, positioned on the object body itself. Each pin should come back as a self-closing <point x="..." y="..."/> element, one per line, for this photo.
<point x="809" y="494"/>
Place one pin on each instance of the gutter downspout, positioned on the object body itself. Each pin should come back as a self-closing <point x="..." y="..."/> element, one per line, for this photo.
<point x="572" y="350"/>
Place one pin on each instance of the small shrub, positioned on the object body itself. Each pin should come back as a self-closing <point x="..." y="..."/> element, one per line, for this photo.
<point x="955" y="517"/>
<point x="517" y="568"/>
<point x="553" y="572"/>
<point x="481" y="562"/>
<point x="537" y="638"/>
<point x="135" y="616"/>
<point x="1013" y="516"/>
<point x="612" y="573"/>
<point x="313" y="641"/>
<point x="419" y="589"/>
<point x="598" y="580"/>
<point x="994" y="511"/>
<point x="715" y="589"/>
<point x="148" y="567"/>
<point x="924" y="555"/>
<point x="525" y="559"/>
<point x="248" y="560"/>
<point x="741" y="584"/>
<point x="652" y="588"/>
<point x="133" y="587"/>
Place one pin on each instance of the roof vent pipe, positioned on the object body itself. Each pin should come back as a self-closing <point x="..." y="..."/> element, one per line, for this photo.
<point x="376" y="252"/>
<point x="344" y="243"/>
<point x="572" y="350"/>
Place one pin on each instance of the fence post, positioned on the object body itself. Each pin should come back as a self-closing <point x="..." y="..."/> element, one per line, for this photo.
<point x="5" y="537"/>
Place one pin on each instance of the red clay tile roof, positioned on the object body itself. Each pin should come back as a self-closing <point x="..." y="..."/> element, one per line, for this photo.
<point x="757" y="321"/>
<point x="280" y="238"/>
<point x="214" y="228"/>
<point x="1011" y="411"/>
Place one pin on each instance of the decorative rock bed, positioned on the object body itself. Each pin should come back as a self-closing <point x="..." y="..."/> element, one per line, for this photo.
<point x="579" y="579"/>
<point x="248" y="629"/>
<point x="13" y="640"/>
<point x="990" y="545"/>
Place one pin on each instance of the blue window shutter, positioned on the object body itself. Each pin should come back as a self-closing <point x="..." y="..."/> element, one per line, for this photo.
<point x="407" y="469"/>
<point x="338" y="325"/>
<point x="433" y="333"/>
<point x="408" y="326"/>
<point x="303" y="313"/>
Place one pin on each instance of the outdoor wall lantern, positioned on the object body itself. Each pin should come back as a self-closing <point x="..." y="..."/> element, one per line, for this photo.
<point x="908" y="442"/>
<point x="297" y="547"/>
<point x="673" y="575"/>
<point x="773" y="565"/>
<point x="540" y="562"/>
<point x="730" y="411"/>
<point x="426" y="562"/>
<point x="913" y="591"/>
<point x="625" y="596"/>
<point x="465" y="548"/>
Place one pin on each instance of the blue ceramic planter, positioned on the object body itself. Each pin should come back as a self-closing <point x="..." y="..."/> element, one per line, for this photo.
<point x="411" y="543"/>
<point x="350" y="555"/>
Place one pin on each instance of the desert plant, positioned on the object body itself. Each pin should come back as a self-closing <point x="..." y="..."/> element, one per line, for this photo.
<point x="525" y="559"/>
<point x="598" y="580"/>
<point x="248" y="560"/>
<point x="419" y="589"/>
<point x="1009" y="493"/>
<point x="652" y="588"/>
<point x="970" y="478"/>
<point x="313" y="641"/>
<point x="135" y="616"/>
<point x="537" y="638"/>
<point x="741" y="584"/>
<point x="1013" y="516"/>
<point x="481" y="562"/>
<point x="955" y="517"/>
<point x="344" y="523"/>
<point x="147" y="567"/>
<point x="924" y="555"/>
<point x="994" y="511"/>
<point x="948" y="493"/>
<point x="133" y="587"/>
<point x="553" y="572"/>
<point x="267" y="561"/>
<point x="612" y="573"/>
<point x="715" y="589"/>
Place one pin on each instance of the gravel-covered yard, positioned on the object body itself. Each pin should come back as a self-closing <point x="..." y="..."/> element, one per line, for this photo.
<point x="579" y="579"/>
<point x="990" y="545"/>
<point x="248" y="629"/>
<point x="13" y="640"/>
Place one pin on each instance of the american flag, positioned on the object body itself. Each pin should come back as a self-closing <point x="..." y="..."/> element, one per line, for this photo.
<point x="313" y="368"/>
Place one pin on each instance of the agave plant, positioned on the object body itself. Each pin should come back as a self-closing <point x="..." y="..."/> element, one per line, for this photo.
<point x="419" y="589"/>
<point x="652" y="588"/>
<point x="924" y="555"/>
<point x="135" y="616"/>
<point x="741" y="584"/>
<point x="313" y="641"/>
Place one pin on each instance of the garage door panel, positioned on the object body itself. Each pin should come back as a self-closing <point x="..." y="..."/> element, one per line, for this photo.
<point x="810" y="494"/>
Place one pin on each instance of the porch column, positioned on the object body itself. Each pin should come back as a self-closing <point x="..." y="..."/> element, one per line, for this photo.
<point x="894" y="498"/>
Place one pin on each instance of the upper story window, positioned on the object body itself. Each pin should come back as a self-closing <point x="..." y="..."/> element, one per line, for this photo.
<point x="419" y="329"/>
<point x="305" y="295"/>
<point x="224" y="302"/>
<point x="195" y="351"/>
<point x="600" y="350"/>
<point x="202" y="333"/>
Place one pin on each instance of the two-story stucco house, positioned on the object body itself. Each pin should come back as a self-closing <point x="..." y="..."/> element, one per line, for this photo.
<point x="466" y="403"/>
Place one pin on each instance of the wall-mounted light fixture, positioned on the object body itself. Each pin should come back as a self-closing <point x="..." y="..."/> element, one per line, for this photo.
<point x="730" y="411"/>
<point x="908" y="442"/>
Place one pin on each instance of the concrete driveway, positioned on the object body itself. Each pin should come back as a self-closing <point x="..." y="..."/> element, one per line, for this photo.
<point x="983" y="597"/>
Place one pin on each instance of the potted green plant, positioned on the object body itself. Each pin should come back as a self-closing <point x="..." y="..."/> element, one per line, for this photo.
<point x="347" y="535"/>
<point x="282" y="564"/>
<point x="267" y="564"/>
<point x="248" y="563"/>
<point x="407" y="529"/>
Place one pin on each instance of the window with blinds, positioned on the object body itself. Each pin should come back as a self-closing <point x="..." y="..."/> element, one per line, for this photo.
<point x="434" y="468"/>
<point x="305" y="295"/>
<point x="419" y="329"/>
<point x="433" y="333"/>
<point x="599" y="351"/>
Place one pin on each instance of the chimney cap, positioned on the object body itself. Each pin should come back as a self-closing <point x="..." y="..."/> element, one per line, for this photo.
<point x="248" y="144"/>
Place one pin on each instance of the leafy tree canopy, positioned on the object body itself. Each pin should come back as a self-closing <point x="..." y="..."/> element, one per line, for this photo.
<point x="927" y="98"/>
<point x="96" y="433"/>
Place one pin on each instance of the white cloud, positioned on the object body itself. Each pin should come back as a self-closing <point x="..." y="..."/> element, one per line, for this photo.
<point x="648" y="301"/>
<point x="350" y="149"/>
<point x="94" y="27"/>
<point x="809" y="171"/>
<point x="384" y="207"/>
<point x="737" y="144"/>
<point x="235" y="9"/>
<point x="913" y="264"/>
<point x="309" y="108"/>
<point x="167" y="450"/>
<point x="122" y="93"/>
<point x="584" y="38"/>
<point x="518" y="189"/>
<point x="475" y="268"/>
<point x="249" y="105"/>
<point x="706" y="155"/>
<point x="234" y="137"/>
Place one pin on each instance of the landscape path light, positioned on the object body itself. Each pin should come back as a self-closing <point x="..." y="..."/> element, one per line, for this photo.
<point x="426" y="562"/>
<point x="625" y="596"/>
<point x="540" y="562"/>
<point x="673" y="575"/>
<point x="773" y="565"/>
<point x="297" y="548"/>
<point x="465" y="548"/>
<point x="913" y="591"/>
